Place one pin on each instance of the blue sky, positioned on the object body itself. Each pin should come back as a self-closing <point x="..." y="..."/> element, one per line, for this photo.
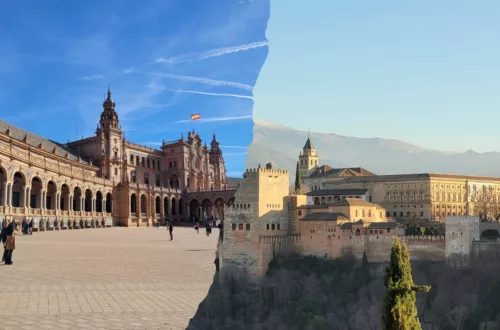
<point x="426" y="72"/>
<point x="164" y="60"/>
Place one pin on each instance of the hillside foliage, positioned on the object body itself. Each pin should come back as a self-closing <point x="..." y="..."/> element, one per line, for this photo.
<point x="309" y="293"/>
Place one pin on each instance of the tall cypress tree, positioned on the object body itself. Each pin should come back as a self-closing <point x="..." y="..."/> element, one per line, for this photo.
<point x="364" y="270"/>
<point x="399" y="310"/>
<point x="298" y="178"/>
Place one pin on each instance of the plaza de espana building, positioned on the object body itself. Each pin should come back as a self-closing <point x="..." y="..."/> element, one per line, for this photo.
<point x="105" y="180"/>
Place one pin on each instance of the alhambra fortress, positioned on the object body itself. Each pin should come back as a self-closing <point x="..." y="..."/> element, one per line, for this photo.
<point x="105" y="180"/>
<point x="355" y="210"/>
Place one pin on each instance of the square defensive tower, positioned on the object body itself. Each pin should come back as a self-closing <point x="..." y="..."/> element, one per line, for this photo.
<point x="259" y="199"/>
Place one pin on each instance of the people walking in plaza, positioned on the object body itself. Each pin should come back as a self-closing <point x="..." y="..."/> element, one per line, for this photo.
<point x="197" y="227"/>
<point x="10" y="243"/>
<point x="30" y="231"/>
<point x="208" y="228"/>
<point x="170" y="230"/>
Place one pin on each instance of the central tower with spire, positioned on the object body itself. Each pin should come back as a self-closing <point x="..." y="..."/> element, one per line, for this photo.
<point x="111" y="137"/>
<point x="308" y="158"/>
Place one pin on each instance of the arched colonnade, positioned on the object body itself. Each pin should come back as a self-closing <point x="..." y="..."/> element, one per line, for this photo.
<point x="143" y="205"/>
<point x="24" y="190"/>
<point x="208" y="207"/>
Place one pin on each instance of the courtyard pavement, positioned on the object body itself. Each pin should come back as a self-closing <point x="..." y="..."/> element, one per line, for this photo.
<point x="107" y="278"/>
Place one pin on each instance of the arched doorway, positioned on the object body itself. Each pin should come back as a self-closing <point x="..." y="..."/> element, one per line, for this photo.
<point x="157" y="206"/>
<point x="36" y="193"/>
<point x="174" y="182"/>
<point x="206" y="206"/>
<point x="3" y="188"/>
<point x="77" y="199"/>
<point x="133" y="205"/>
<point x="65" y="197"/>
<point x="144" y="205"/>
<point x="174" y="206"/>
<point x="109" y="203"/>
<point x="18" y="189"/>
<point x="181" y="206"/>
<point x="88" y="200"/>
<point x="219" y="208"/>
<point x="316" y="201"/>
<point x="194" y="210"/>
<point x="98" y="201"/>
<point x="51" y="195"/>
<point x="165" y="206"/>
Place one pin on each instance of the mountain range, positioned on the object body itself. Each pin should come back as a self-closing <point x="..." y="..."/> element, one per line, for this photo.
<point x="281" y="146"/>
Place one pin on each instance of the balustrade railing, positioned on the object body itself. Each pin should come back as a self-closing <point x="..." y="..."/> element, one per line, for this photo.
<point x="9" y="210"/>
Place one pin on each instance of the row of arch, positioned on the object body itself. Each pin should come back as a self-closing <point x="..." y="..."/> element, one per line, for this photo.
<point x="205" y="209"/>
<point x="39" y="196"/>
<point x="329" y="199"/>
<point x="140" y="207"/>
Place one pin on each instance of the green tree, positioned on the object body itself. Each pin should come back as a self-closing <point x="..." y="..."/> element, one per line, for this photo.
<point x="298" y="179"/>
<point x="399" y="310"/>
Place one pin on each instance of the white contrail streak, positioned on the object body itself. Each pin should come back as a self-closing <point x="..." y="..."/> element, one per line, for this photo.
<point x="208" y="93"/>
<point x="200" y="80"/>
<point x="191" y="57"/>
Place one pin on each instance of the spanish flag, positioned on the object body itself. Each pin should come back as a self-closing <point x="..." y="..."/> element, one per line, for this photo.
<point x="195" y="117"/>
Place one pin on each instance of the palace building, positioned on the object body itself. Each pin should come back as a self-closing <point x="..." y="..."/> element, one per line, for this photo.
<point x="105" y="180"/>
<point x="409" y="198"/>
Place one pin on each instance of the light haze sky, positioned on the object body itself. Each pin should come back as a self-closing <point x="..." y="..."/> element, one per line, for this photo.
<point x="425" y="72"/>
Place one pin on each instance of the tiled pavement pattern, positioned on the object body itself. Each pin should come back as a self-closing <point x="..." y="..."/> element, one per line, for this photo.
<point x="110" y="278"/>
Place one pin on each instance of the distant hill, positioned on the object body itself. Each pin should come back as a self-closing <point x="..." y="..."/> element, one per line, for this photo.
<point x="281" y="145"/>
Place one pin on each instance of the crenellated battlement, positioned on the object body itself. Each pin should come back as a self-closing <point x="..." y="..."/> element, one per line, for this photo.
<point x="250" y="171"/>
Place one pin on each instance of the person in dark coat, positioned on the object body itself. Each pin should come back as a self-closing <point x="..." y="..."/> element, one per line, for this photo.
<point x="10" y="243"/>
<point x="24" y="227"/>
<point x="170" y="230"/>
<point x="208" y="228"/>
<point x="30" y="231"/>
<point x="3" y="237"/>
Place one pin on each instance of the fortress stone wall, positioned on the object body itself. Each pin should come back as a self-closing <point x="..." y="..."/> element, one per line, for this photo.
<point x="260" y="224"/>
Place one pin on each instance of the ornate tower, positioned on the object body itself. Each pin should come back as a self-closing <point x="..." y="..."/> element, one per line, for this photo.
<point x="217" y="162"/>
<point x="110" y="135"/>
<point x="308" y="158"/>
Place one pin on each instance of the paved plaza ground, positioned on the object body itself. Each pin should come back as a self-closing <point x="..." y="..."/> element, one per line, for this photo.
<point x="109" y="278"/>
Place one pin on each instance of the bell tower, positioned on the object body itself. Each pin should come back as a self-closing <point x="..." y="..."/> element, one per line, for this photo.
<point x="111" y="137"/>
<point x="217" y="161"/>
<point x="308" y="158"/>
